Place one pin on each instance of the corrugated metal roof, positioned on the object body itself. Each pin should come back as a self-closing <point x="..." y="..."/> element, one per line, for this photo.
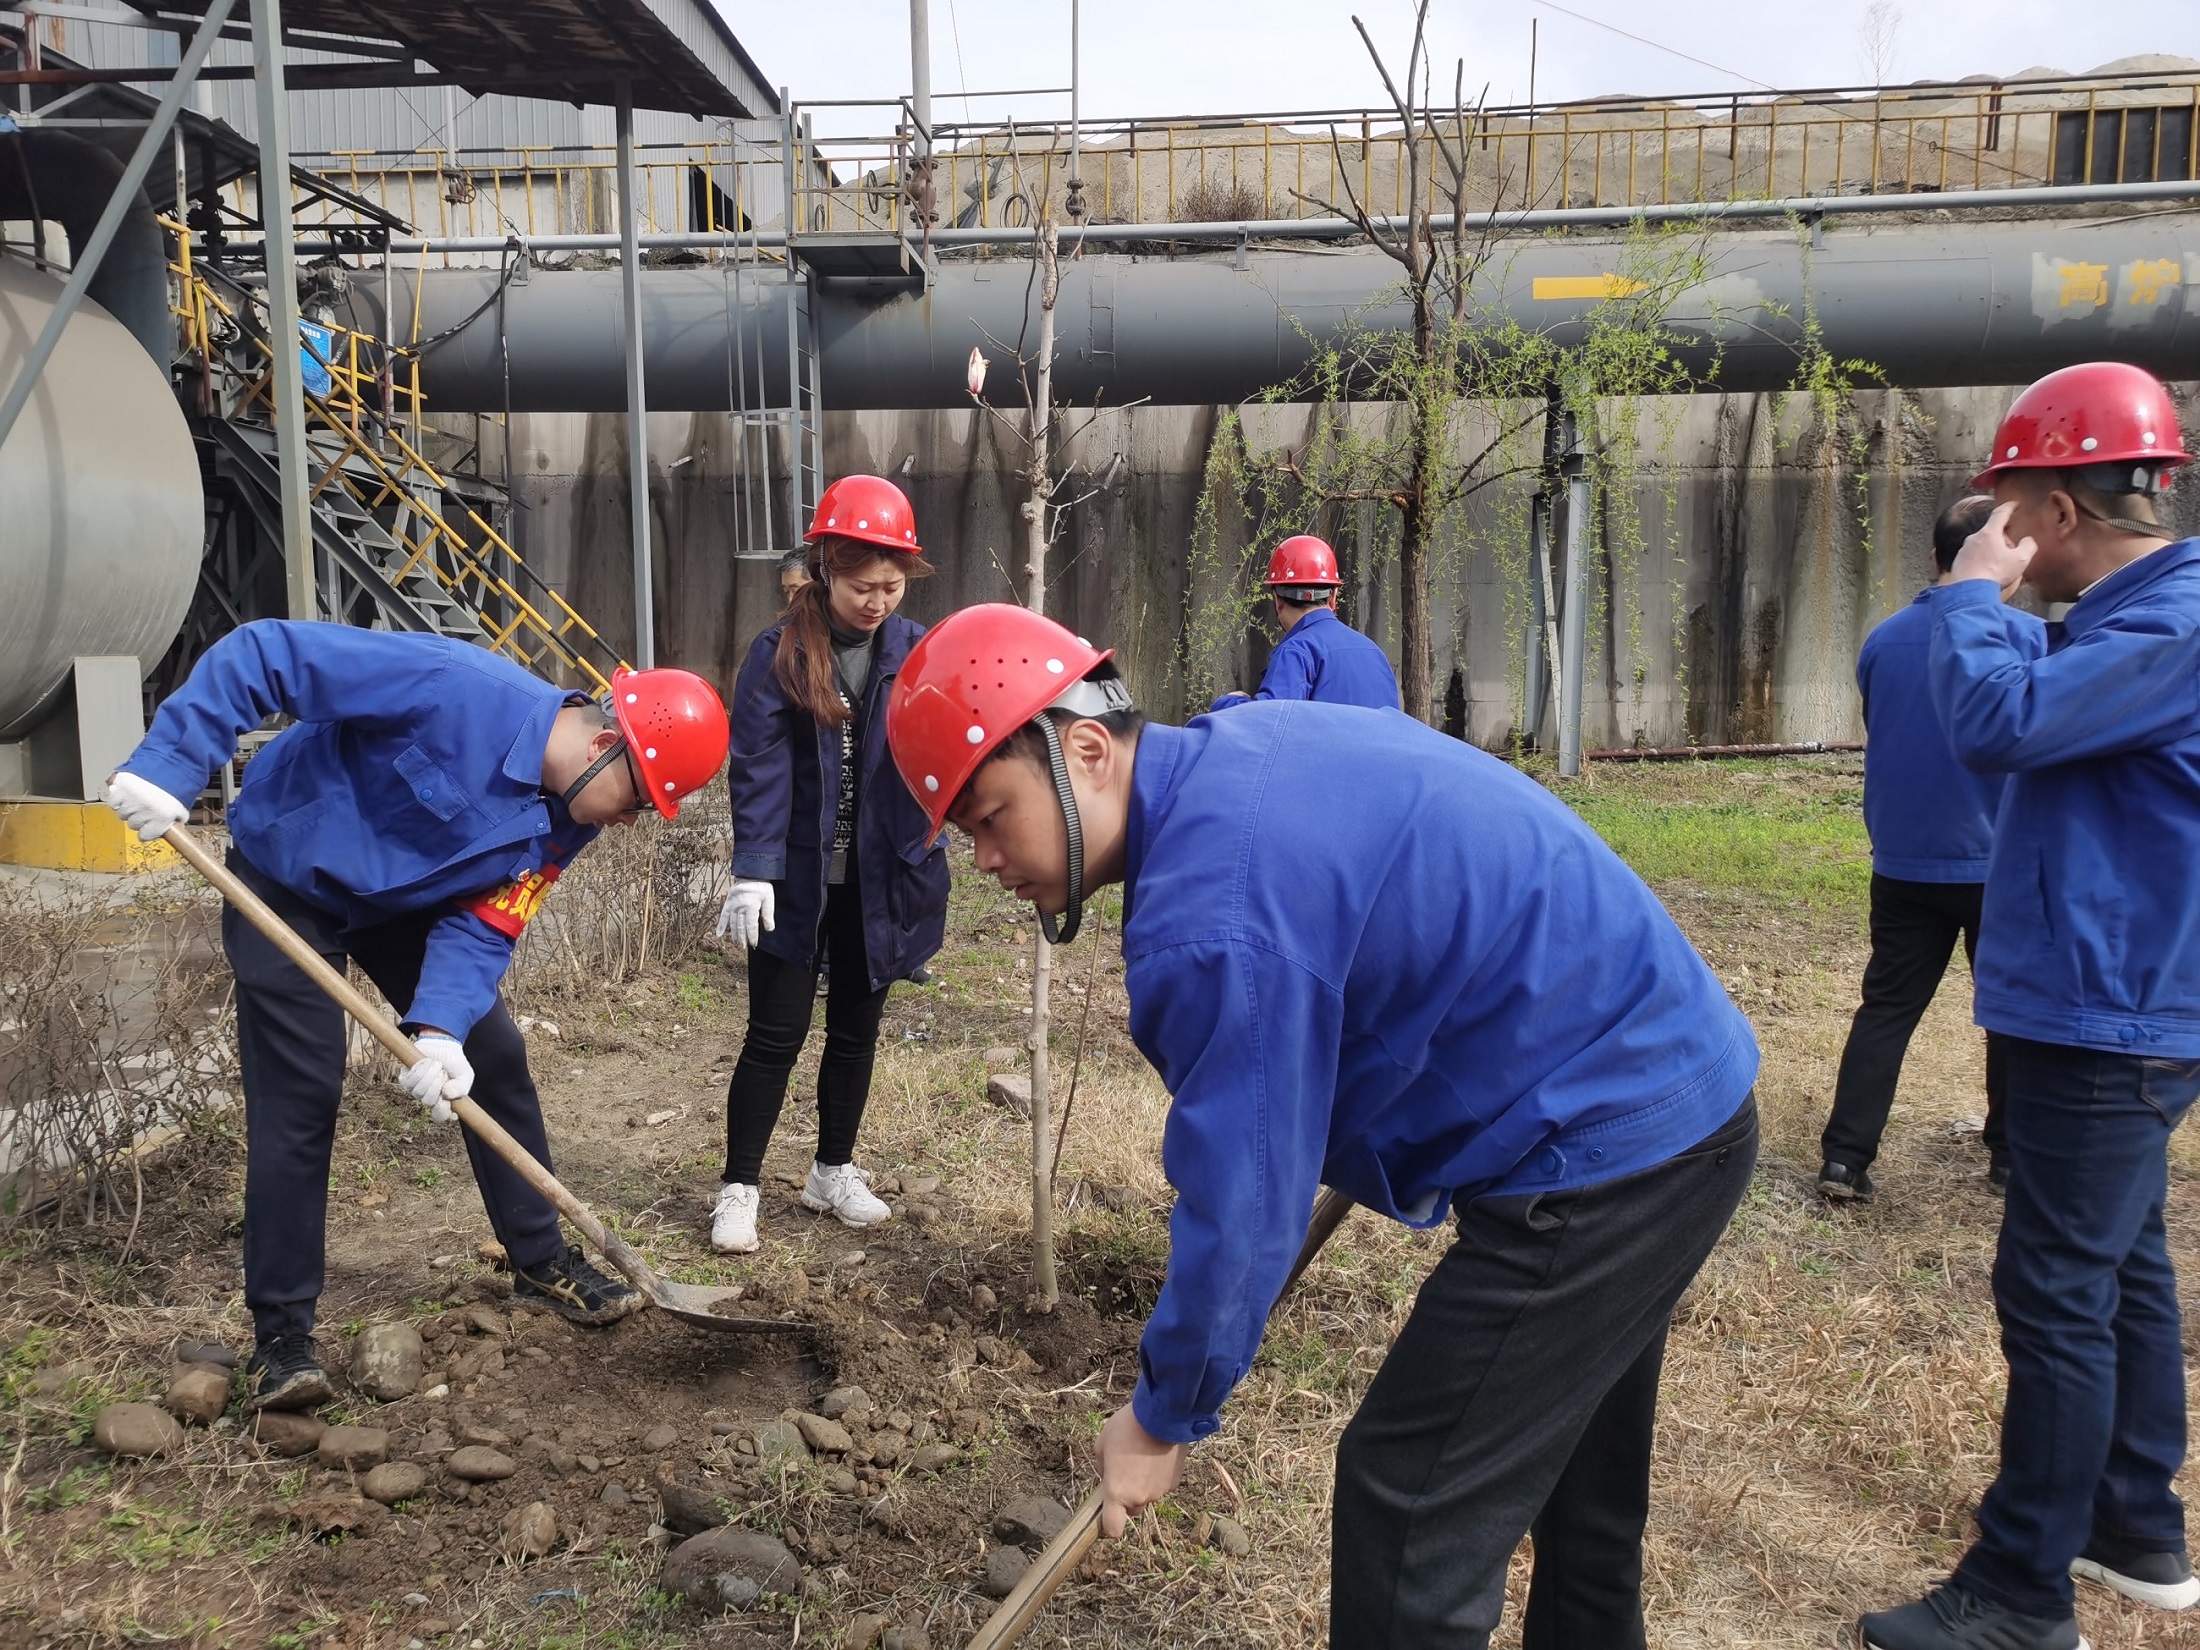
<point x="677" y="55"/>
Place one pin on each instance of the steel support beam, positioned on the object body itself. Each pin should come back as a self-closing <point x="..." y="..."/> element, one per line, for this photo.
<point x="87" y="257"/>
<point x="637" y="398"/>
<point x="920" y="74"/>
<point x="273" y="100"/>
<point x="1573" y="628"/>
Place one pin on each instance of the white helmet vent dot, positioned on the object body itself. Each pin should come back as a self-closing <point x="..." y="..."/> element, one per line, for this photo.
<point x="976" y="735"/>
<point x="931" y="783"/>
<point x="650" y="754"/>
<point x="2147" y="436"/>
<point x="2012" y="453"/>
<point x="1054" y="667"/>
<point x="2088" y="444"/>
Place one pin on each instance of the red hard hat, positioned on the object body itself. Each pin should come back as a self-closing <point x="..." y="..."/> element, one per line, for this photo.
<point x="2103" y="412"/>
<point x="675" y="724"/>
<point x="869" y="508"/>
<point x="1302" y="559"/>
<point x="971" y="681"/>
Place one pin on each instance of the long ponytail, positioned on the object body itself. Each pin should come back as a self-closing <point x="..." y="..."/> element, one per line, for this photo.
<point x="804" y="662"/>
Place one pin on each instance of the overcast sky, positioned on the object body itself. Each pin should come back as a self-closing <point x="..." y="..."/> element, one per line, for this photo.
<point x="1164" y="57"/>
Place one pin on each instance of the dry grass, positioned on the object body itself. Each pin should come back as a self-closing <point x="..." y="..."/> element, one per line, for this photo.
<point x="1831" y="1394"/>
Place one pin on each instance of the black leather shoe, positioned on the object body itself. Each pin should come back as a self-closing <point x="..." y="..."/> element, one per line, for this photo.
<point x="573" y="1289"/>
<point x="284" y="1372"/>
<point x="1949" y="1618"/>
<point x="1997" y="1174"/>
<point x="1842" y="1184"/>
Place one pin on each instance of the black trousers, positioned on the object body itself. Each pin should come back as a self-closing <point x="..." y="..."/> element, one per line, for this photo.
<point x="290" y="1044"/>
<point x="1521" y="1396"/>
<point x="782" y="997"/>
<point x="1914" y="930"/>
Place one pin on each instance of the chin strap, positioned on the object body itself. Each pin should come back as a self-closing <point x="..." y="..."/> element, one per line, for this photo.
<point x="1074" y="917"/>
<point x="567" y="796"/>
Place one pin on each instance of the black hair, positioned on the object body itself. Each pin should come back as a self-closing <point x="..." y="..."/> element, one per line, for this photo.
<point x="1957" y="523"/>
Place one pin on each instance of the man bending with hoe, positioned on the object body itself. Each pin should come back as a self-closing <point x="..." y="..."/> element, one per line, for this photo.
<point x="412" y="819"/>
<point x="1362" y="953"/>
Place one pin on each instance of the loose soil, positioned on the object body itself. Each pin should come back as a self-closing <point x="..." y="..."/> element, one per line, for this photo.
<point x="1831" y="1397"/>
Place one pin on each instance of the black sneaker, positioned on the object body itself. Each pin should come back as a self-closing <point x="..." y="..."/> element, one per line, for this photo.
<point x="572" y="1288"/>
<point x="284" y="1372"/>
<point x="2164" y="1580"/>
<point x="1949" y="1618"/>
<point x="1997" y="1174"/>
<point x="1839" y="1183"/>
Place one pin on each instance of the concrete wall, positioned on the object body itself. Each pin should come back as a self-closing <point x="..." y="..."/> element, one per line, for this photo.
<point x="1765" y="551"/>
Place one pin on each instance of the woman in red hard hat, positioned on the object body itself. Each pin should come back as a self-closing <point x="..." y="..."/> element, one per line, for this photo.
<point x="832" y="866"/>
<point x="2089" y="970"/>
<point x="412" y="819"/>
<point x="1320" y="657"/>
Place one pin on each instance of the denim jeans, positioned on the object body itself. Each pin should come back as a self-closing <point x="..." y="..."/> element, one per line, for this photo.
<point x="2094" y="1428"/>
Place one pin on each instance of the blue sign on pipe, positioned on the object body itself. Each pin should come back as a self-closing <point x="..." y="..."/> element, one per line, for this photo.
<point x="316" y="348"/>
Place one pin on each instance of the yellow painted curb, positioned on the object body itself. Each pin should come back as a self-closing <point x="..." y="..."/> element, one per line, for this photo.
<point x="76" y="836"/>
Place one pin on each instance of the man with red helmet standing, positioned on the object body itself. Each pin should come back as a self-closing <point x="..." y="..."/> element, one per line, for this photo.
<point x="1320" y="657"/>
<point x="411" y="819"/>
<point x="2089" y="968"/>
<point x="1452" y="999"/>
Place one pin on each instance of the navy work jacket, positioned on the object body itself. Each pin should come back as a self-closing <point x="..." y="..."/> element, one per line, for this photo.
<point x="785" y="778"/>
<point x="1931" y="818"/>
<point x="1360" y="952"/>
<point x="1324" y="659"/>
<point x="2090" y="935"/>
<point x="412" y="781"/>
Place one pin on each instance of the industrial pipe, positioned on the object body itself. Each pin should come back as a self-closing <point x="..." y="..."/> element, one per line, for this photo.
<point x="59" y="176"/>
<point x="1924" y="306"/>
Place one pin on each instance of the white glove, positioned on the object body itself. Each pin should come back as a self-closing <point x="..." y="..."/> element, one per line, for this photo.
<point x="747" y="912"/>
<point x="438" y="1077"/>
<point x="144" y="806"/>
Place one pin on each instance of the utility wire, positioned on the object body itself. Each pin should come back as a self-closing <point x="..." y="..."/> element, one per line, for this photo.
<point x="1654" y="45"/>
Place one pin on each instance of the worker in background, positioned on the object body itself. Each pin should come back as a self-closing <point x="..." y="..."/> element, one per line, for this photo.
<point x="829" y="851"/>
<point x="2089" y="966"/>
<point x="794" y="573"/>
<point x="1362" y="953"/>
<point x="412" y="819"/>
<point x="1320" y="656"/>
<point x="1931" y="821"/>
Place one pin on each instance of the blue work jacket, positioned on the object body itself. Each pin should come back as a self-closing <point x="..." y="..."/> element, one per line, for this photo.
<point x="1324" y="659"/>
<point x="1931" y="818"/>
<point x="1360" y="952"/>
<point x="785" y="778"/>
<point x="411" y="781"/>
<point x="2090" y="934"/>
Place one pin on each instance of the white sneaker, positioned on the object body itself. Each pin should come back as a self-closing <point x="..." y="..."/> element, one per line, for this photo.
<point x="842" y="1193"/>
<point x="733" y="1220"/>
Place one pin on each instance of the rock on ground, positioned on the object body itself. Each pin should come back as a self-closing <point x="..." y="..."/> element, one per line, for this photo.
<point x="731" y="1568"/>
<point x="1001" y="1057"/>
<point x="288" y="1433"/>
<point x="529" y="1532"/>
<point x="199" y="1393"/>
<point x="206" y="1352"/>
<point x="1004" y="1567"/>
<point x="780" y="1443"/>
<point x="353" y="1449"/>
<point x="847" y="1403"/>
<point x="1030" y="1521"/>
<point x="1011" y="1089"/>
<point x="662" y="1436"/>
<point x="934" y="1458"/>
<point x="905" y="1636"/>
<point x="394" y="1481"/>
<point x="826" y="1437"/>
<point x="477" y="1464"/>
<point x="388" y="1361"/>
<point x="131" y="1430"/>
<point x="983" y="1301"/>
<point x="1230" y="1536"/>
<point x="690" y="1511"/>
<point x="864" y="1632"/>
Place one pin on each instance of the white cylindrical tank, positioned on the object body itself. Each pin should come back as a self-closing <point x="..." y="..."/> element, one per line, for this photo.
<point x="101" y="512"/>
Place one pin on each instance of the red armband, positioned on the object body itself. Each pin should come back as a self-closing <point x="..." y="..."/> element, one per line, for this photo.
<point x="511" y="908"/>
